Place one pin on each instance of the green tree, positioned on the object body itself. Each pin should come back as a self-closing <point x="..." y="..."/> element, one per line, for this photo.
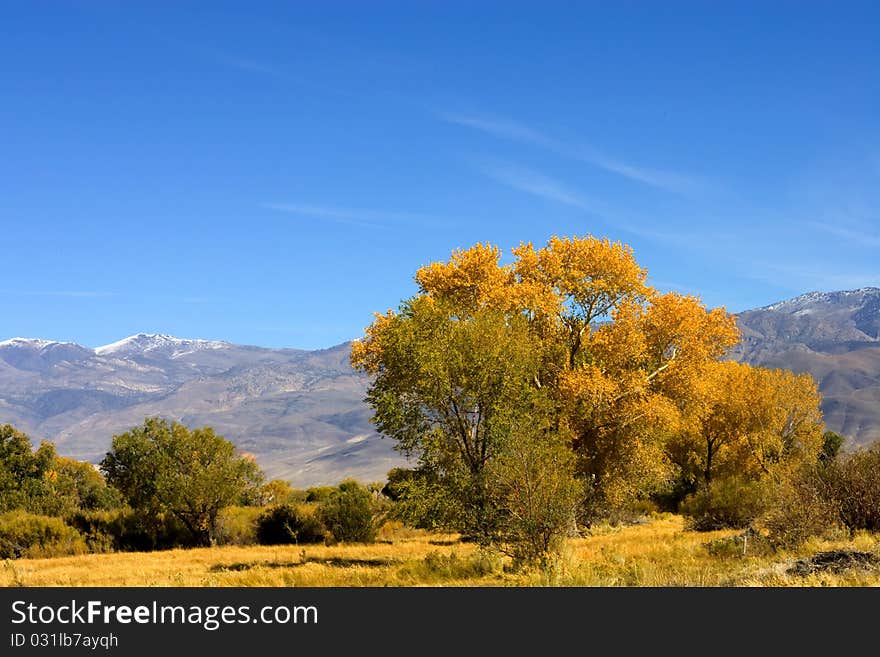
<point x="448" y="387"/>
<point x="23" y="471"/>
<point x="165" y="467"/>
<point x="77" y="486"/>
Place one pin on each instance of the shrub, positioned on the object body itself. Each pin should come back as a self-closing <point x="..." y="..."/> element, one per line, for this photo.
<point x="349" y="514"/>
<point x="289" y="524"/>
<point x="276" y="492"/>
<point x="803" y="507"/>
<point x="856" y="489"/>
<point x="835" y="494"/>
<point x="127" y="530"/>
<point x="728" y="503"/>
<point x="537" y="496"/>
<point x="25" y="534"/>
<point x="237" y="525"/>
<point x="319" y="493"/>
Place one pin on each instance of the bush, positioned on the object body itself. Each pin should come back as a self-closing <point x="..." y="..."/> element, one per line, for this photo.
<point x="803" y="507"/>
<point x="25" y="534"/>
<point x="537" y="495"/>
<point x="237" y="525"/>
<point x="349" y="514"/>
<point x="319" y="494"/>
<point x="835" y="494"/>
<point x="289" y="524"/>
<point x="728" y="503"/>
<point x="127" y="530"/>
<point x="856" y="489"/>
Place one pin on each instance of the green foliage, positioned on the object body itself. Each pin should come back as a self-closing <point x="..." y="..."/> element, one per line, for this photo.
<point x="23" y="471"/>
<point x="287" y="523"/>
<point x="731" y="502"/>
<point x="350" y="513"/>
<point x="77" y="485"/>
<point x="43" y="482"/>
<point x="24" y="534"/>
<point x="129" y="530"/>
<point x="319" y="494"/>
<point x="831" y="445"/>
<point x="537" y="496"/>
<point x="190" y="474"/>
<point x="449" y="390"/>
<point x="422" y="502"/>
<point x="395" y="484"/>
<point x="237" y="525"/>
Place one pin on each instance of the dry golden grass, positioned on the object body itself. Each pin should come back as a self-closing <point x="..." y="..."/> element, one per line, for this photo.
<point x="658" y="553"/>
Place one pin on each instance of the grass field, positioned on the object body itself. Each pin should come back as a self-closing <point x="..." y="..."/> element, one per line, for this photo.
<point x="658" y="552"/>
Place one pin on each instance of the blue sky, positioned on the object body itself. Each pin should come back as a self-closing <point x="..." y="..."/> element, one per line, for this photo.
<point x="272" y="173"/>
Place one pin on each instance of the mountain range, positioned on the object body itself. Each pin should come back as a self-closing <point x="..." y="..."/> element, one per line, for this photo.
<point x="302" y="415"/>
<point x="299" y="412"/>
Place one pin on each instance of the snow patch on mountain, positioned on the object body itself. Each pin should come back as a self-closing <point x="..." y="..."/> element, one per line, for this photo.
<point x="36" y="343"/>
<point x="813" y="298"/>
<point x="144" y="343"/>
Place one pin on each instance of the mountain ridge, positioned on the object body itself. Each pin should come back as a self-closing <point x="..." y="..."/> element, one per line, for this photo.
<point x="296" y="411"/>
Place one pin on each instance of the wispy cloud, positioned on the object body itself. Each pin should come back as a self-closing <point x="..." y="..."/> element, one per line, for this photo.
<point x="58" y="293"/>
<point x="356" y="217"/>
<point x="501" y="128"/>
<point x="542" y="186"/>
<point x="850" y="234"/>
<point x="537" y="184"/>
<point x="666" y="180"/>
<point x="259" y="67"/>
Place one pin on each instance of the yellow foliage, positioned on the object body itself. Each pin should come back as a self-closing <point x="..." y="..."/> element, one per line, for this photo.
<point x="471" y="280"/>
<point x="750" y="421"/>
<point x="627" y="369"/>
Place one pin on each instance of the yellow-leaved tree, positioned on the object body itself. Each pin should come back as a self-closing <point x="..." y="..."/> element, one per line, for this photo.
<point x="563" y="362"/>
<point x="746" y="431"/>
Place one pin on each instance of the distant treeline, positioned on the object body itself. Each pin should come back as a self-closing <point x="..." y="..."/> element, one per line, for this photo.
<point x="164" y="485"/>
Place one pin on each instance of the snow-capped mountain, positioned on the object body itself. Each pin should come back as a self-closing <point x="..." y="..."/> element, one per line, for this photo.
<point x="812" y="299"/>
<point x="154" y="344"/>
<point x="36" y="355"/>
